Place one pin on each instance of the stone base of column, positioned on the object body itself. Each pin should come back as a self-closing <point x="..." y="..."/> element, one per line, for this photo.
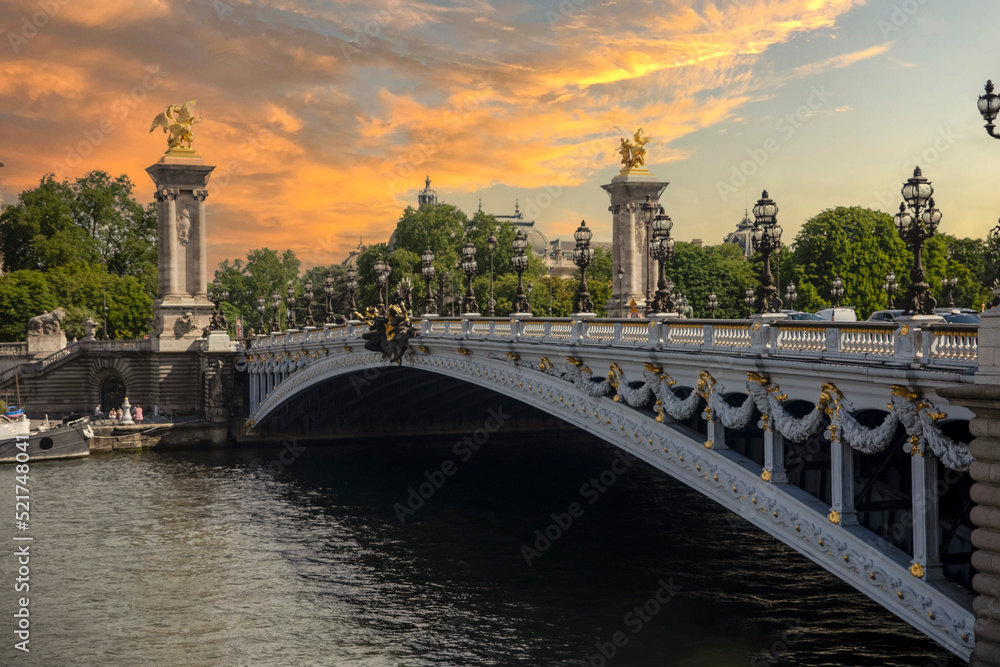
<point x="178" y="327"/>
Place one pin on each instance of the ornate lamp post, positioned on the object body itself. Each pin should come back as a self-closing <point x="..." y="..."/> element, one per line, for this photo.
<point x="470" y="268"/>
<point x="583" y="254"/>
<point x="218" y="322"/>
<point x="428" y="272"/>
<point x="328" y="294"/>
<point x="989" y="106"/>
<point x="621" y="292"/>
<point x="308" y="296"/>
<point x="791" y="295"/>
<point x="290" y="302"/>
<point x="275" y="306"/>
<point x="380" y="278"/>
<point x="766" y="240"/>
<point x="837" y="291"/>
<point x="260" y="309"/>
<point x="748" y="300"/>
<point x="713" y="303"/>
<point x="916" y="228"/>
<point x="550" y="292"/>
<point x="352" y="287"/>
<point x="646" y="213"/>
<point x="949" y="284"/>
<point x="661" y="247"/>
<point x="890" y="286"/>
<point x="520" y="262"/>
<point x="492" y="243"/>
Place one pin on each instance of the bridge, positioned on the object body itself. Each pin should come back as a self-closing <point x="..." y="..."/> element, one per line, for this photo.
<point x="835" y="438"/>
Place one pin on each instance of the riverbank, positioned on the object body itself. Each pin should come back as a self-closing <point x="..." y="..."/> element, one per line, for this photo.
<point x="173" y="435"/>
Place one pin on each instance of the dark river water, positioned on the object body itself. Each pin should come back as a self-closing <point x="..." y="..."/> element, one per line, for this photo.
<point x="217" y="558"/>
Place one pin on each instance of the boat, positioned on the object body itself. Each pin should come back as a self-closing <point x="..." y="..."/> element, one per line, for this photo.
<point x="63" y="441"/>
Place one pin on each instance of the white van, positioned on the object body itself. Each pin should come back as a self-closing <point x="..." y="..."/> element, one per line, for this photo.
<point x="842" y="314"/>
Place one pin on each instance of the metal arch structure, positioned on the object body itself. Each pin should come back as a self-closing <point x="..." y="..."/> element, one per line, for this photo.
<point x="558" y="366"/>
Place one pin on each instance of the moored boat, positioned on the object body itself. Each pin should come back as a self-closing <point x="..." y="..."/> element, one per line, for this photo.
<point x="70" y="440"/>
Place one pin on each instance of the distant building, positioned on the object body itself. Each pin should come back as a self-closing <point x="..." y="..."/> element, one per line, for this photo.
<point x="743" y="236"/>
<point x="427" y="196"/>
<point x="536" y="239"/>
<point x="351" y="261"/>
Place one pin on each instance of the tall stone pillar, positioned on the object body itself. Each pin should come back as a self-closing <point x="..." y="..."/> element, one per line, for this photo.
<point x="983" y="398"/>
<point x="630" y="244"/>
<point x="182" y="308"/>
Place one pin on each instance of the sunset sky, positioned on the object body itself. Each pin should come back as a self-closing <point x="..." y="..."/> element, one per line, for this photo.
<point x="323" y="116"/>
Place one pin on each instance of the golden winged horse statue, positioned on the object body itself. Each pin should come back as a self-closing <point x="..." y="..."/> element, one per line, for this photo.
<point x="177" y="120"/>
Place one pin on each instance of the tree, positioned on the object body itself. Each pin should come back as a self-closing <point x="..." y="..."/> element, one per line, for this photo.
<point x="858" y="245"/>
<point x="263" y="273"/>
<point x="23" y="295"/>
<point x="697" y="271"/>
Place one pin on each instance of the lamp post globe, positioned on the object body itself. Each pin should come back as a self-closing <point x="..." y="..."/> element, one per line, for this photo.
<point x="328" y="295"/>
<point x="352" y="289"/>
<point x="308" y="298"/>
<point x="583" y="254"/>
<point x="275" y="307"/>
<point x="837" y="291"/>
<point x="791" y="295"/>
<point x="260" y="309"/>
<point x="949" y="285"/>
<point x="290" y="301"/>
<point x="748" y="300"/>
<point x="491" y="242"/>
<point x="989" y="106"/>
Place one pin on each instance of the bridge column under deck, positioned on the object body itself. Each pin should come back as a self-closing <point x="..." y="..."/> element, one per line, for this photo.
<point x="842" y="484"/>
<point x="774" y="456"/>
<point x="717" y="434"/>
<point x="926" y="524"/>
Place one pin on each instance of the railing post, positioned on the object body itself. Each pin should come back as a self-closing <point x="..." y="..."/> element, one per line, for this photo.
<point x="577" y="331"/>
<point x="774" y="456"/>
<point x="832" y="334"/>
<point x="926" y="343"/>
<point x="842" y="509"/>
<point x="759" y="334"/>
<point x="656" y="333"/>
<point x="906" y="343"/>
<point x="926" y="527"/>
<point x="616" y="336"/>
<point x="708" y="343"/>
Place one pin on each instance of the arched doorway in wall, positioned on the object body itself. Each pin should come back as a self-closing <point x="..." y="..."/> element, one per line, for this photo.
<point x="112" y="393"/>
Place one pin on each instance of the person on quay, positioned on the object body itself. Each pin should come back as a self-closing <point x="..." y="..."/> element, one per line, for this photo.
<point x="138" y="414"/>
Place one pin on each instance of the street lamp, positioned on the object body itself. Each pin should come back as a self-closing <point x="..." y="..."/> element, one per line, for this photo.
<point x="380" y="278"/>
<point x="290" y="301"/>
<point x="766" y="239"/>
<point x="275" y="306"/>
<point x="492" y="243"/>
<point x="428" y="272"/>
<point x="989" y="106"/>
<point x="550" y="291"/>
<point x="646" y="213"/>
<point x="470" y="268"/>
<point x="308" y="296"/>
<point x="260" y="309"/>
<point x="621" y="292"/>
<point x="791" y="295"/>
<point x="713" y="303"/>
<point x="328" y="294"/>
<point x="949" y="284"/>
<point x="583" y="254"/>
<point x="748" y="300"/>
<point x="661" y="247"/>
<point x="520" y="262"/>
<point x="218" y="321"/>
<point x="837" y="291"/>
<point x="915" y="228"/>
<point x="352" y="287"/>
<point x="890" y="286"/>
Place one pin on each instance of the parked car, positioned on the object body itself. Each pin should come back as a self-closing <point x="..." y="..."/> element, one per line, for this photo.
<point x="885" y="315"/>
<point x="961" y="318"/>
<point x="799" y="315"/>
<point x="842" y="314"/>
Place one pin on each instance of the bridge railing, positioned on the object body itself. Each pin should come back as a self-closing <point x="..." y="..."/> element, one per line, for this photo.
<point x="938" y="345"/>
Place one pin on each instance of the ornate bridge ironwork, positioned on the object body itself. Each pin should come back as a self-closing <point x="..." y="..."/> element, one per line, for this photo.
<point x="729" y="408"/>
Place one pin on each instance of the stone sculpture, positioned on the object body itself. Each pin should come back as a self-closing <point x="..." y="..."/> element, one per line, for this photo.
<point x="47" y="323"/>
<point x="177" y="121"/>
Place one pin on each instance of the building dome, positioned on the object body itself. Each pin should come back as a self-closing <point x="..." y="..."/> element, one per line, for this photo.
<point x="743" y="236"/>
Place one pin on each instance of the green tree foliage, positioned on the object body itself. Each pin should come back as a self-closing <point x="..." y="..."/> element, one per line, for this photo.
<point x="697" y="271"/>
<point x="858" y="245"/>
<point x="264" y="272"/>
<point x="59" y="234"/>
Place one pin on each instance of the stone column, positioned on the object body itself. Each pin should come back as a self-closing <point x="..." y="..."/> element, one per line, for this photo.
<point x="983" y="398"/>
<point x="842" y="509"/>
<point x="182" y="308"/>
<point x="926" y="522"/>
<point x="628" y="193"/>
<point x="774" y="457"/>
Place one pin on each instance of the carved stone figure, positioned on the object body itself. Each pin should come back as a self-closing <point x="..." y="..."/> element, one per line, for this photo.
<point x="177" y="121"/>
<point x="186" y="324"/>
<point x="184" y="225"/>
<point x="47" y="323"/>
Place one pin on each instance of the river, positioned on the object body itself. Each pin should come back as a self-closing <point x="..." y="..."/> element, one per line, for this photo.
<point x="233" y="557"/>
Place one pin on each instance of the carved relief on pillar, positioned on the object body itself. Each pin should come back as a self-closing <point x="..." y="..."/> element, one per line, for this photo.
<point x="166" y="194"/>
<point x="184" y="225"/>
<point x="199" y="195"/>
